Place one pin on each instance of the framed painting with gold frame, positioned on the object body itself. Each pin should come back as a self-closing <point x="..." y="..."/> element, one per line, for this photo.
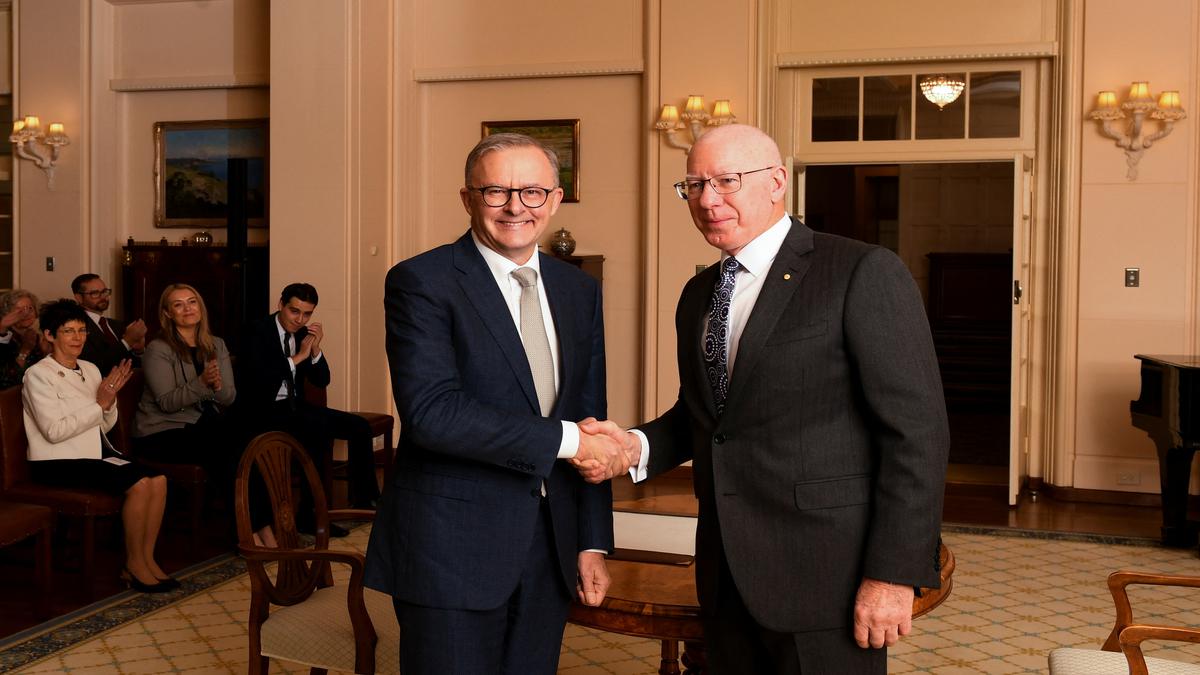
<point x="190" y="171"/>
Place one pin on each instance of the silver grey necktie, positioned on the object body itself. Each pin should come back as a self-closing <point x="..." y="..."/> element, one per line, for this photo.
<point x="533" y="336"/>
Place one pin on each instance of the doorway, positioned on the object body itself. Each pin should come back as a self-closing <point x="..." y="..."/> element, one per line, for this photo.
<point x="952" y="225"/>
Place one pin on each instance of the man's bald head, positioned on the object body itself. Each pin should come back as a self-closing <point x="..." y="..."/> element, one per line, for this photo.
<point x="752" y="143"/>
<point x="730" y="221"/>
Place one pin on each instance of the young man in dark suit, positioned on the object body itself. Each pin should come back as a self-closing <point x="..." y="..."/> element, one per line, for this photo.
<point x="495" y="351"/>
<point x="812" y="409"/>
<point x="108" y="341"/>
<point x="282" y="354"/>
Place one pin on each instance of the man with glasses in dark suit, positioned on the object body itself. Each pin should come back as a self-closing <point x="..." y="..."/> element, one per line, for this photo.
<point x="108" y="341"/>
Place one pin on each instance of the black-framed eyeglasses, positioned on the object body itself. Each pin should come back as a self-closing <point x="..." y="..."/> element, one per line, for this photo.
<point x="724" y="184"/>
<point x="102" y="293"/>
<point x="496" y="196"/>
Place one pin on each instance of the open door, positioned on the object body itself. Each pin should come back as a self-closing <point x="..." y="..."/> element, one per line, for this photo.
<point x="1022" y="325"/>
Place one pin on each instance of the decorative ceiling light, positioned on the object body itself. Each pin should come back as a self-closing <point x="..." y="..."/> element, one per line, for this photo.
<point x="942" y="90"/>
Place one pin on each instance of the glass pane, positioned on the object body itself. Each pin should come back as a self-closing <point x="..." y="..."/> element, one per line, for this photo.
<point x="949" y="121"/>
<point x="996" y="104"/>
<point x="835" y="109"/>
<point x="887" y="106"/>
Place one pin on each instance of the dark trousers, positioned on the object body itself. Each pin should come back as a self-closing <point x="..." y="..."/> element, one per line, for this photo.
<point x="316" y="428"/>
<point x="213" y="446"/>
<point x="737" y="645"/>
<point x="521" y="637"/>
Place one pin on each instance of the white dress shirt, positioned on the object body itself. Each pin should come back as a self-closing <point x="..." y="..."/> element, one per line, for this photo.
<point x="289" y="349"/>
<point x="501" y="269"/>
<point x="756" y="259"/>
<point x="95" y="317"/>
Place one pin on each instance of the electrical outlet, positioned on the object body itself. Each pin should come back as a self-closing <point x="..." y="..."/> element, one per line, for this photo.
<point x="1133" y="277"/>
<point x="1129" y="478"/>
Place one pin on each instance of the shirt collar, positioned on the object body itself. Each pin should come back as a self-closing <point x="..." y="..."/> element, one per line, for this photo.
<point x="279" y="327"/>
<point x="757" y="256"/>
<point x="501" y="267"/>
<point x="94" y="316"/>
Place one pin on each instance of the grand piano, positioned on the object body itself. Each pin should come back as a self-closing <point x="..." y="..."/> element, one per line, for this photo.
<point x="1168" y="410"/>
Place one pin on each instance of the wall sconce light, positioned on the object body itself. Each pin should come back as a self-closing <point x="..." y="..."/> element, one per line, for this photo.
<point x="942" y="90"/>
<point x="1140" y="103"/>
<point x="38" y="147"/>
<point x="696" y="117"/>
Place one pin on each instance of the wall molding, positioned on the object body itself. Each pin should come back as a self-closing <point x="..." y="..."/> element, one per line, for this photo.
<point x="529" y="71"/>
<point x="190" y="82"/>
<point x="1027" y="50"/>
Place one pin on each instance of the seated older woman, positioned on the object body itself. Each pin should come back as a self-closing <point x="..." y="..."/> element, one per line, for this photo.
<point x="68" y="408"/>
<point x="20" y="340"/>
<point x="181" y="417"/>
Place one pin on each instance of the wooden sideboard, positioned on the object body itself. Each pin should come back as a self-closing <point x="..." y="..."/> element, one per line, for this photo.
<point x="148" y="268"/>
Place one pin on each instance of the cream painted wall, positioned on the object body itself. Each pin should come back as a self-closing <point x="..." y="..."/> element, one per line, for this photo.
<point x="867" y="25"/>
<point x="50" y="83"/>
<point x="331" y="177"/>
<point x="1149" y="223"/>
<point x="180" y="39"/>
<point x="605" y="220"/>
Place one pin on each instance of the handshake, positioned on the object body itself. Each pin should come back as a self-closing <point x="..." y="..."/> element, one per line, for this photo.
<point x="605" y="450"/>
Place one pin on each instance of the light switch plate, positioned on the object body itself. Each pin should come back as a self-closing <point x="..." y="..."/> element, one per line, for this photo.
<point x="1133" y="277"/>
<point x="49" y="263"/>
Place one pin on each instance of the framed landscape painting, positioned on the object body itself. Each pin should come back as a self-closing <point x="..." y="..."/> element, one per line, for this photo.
<point x="191" y="171"/>
<point x="561" y="136"/>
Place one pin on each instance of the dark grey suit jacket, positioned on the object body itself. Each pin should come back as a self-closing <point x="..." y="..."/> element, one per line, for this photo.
<point x="829" y="460"/>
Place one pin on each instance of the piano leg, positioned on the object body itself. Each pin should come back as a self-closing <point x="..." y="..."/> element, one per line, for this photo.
<point x="1174" y="473"/>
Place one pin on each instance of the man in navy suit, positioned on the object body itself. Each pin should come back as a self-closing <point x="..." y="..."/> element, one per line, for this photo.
<point x="495" y="352"/>
<point x="282" y="354"/>
<point x="811" y="407"/>
<point x="108" y="341"/>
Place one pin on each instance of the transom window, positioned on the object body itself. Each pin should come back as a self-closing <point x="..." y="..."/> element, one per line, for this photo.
<point x="891" y="107"/>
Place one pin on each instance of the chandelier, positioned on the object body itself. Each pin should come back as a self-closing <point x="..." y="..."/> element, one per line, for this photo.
<point x="942" y="90"/>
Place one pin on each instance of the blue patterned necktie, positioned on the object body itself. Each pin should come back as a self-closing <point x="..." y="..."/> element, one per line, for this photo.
<point x="716" y="337"/>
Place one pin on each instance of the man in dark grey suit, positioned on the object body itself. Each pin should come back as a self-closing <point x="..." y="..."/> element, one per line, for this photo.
<point x="495" y="351"/>
<point x="811" y="406"/>
<point x="108" y="341"/>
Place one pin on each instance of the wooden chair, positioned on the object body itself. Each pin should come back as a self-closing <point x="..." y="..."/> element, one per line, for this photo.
<point x="1122" y="652"/>
<point x="19" y="522"/>
<point x="348" y="627"/>
<point x="191" y="477"/>
<point x="16" y="485"/>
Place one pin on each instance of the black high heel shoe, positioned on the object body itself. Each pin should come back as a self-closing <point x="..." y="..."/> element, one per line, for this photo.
<point x="170" y="582"/>
<point x="137" y="585"/>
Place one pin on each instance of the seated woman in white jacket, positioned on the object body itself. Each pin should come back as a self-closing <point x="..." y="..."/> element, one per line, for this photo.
<point x="68" y="407"/>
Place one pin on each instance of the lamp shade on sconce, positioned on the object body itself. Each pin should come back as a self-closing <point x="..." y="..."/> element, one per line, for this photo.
<point x="32" y="123"/>
<point x="1139" y="91"/>
<point x="721" y="112"/>
<point x="695" y="105"/>
<point x="668" y="118"/>
<point x="1169" y="100"/>
<point x="1106" y="99"/>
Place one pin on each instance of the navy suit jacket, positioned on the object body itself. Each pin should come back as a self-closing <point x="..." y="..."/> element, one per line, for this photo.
<point x="263" y="368"/>
<point x="454" y="528"/>
<point x="828" y="462"/>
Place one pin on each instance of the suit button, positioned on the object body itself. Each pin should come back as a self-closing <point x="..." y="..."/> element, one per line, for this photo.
<point x="718" y="438"/>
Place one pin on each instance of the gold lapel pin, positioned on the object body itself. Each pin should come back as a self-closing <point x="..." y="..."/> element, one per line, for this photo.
<point x="786" y="277"/>
<point x="61" y="374"/>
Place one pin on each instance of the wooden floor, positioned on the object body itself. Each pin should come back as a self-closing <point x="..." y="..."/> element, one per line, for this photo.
<point x="969" y="503"/>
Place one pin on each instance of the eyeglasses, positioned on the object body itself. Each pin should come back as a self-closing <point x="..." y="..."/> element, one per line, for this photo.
<point x="496" y="196"/>
<point x="724" y="184"/>
<point x="72" y="332"/>
<point x="102" y="293"/>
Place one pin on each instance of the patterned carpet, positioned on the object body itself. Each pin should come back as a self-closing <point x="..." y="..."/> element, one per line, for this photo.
<point x="1015" y="598"/>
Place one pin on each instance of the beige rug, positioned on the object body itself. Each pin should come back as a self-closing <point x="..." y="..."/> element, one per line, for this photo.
<point x="1014" y="599"/>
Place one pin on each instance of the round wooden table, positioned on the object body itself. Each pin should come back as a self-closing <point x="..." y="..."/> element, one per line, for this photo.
<point x="657" y="600"/>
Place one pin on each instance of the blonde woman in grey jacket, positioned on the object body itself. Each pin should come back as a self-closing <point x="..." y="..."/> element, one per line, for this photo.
<point x="181" y="417"/>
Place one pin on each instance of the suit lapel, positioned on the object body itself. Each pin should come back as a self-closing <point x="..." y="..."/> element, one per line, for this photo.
<point x="479" y="286"/>
<point x="792" y="262"/>
<point x="557" y="298"/>
<point x="695" y="307"/>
